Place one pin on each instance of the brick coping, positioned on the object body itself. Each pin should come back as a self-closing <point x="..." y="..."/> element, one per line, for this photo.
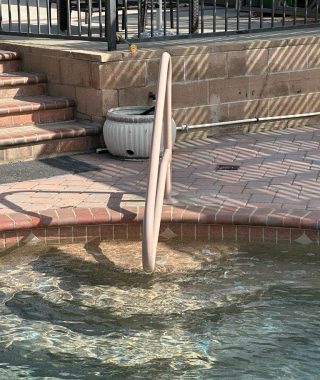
<point x="70" y="216"/>
<point x="149" y="50"/>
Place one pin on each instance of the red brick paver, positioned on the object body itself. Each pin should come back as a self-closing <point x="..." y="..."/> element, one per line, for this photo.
<point x="276" y="185"/>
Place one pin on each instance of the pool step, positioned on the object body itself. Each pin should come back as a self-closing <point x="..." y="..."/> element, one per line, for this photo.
<point x="18" y="84"/>
<point x="9" y="61"/>
<point x="36" y="141"/>
<point x="34" y="110"/>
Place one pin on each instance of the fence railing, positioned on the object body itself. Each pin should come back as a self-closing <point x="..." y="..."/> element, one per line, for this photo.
<point x="140" y="20"/>
<point x="159" y="182"/>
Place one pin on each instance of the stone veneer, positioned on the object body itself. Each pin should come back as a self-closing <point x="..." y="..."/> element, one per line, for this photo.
<point x="212" y="82"/>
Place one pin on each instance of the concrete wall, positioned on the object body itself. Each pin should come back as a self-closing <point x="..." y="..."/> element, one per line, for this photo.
<point x="211" y="82"/>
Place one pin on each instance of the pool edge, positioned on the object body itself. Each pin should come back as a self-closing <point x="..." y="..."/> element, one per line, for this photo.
<point x="69" y="225"/>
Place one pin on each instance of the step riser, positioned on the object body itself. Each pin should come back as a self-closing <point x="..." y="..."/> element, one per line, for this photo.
<point x="26" y="90"/>
<point x="9" y="66"/>
<point x="37" y="117"/>
<point x="50" y="148"/>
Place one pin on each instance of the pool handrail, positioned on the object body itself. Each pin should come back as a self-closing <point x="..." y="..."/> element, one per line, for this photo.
<point x="159" y="185"/>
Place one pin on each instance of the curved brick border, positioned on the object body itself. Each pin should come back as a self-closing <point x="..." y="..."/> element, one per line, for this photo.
<point x="74" y="225"/>
<point x="70" y="216"/>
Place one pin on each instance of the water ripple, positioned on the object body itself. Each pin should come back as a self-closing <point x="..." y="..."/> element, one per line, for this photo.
<point x="249" y="315"/>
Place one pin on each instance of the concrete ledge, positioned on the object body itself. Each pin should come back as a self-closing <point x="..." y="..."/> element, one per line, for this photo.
<point x="96" y="51"/>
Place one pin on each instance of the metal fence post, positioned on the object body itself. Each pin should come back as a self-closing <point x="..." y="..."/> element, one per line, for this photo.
<point x="111" y="25"/>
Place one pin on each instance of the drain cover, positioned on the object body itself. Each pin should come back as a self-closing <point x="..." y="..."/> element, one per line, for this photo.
<point x="228" y="167"/>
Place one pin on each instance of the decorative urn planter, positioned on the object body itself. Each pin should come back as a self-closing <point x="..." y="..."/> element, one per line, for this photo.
<point x="128" y="134"/>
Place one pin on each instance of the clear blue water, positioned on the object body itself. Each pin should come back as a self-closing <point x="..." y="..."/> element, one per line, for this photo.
<point x="249" y="315"/>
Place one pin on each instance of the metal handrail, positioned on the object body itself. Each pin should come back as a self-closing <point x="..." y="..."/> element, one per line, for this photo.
<point x="159" y="181"/>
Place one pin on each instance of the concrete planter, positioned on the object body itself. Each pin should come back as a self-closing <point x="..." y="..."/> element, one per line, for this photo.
<point x="128" y="134"/>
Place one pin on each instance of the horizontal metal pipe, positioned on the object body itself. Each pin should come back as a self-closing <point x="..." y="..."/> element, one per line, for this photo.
<point x="247" y="121"/>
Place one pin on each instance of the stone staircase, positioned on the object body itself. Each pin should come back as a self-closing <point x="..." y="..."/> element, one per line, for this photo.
<point x="33" y="124"/>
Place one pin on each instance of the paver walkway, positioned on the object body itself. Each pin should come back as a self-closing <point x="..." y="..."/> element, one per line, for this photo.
<point x="279" y="170"/>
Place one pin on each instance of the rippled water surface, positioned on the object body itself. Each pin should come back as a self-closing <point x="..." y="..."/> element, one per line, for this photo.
<point x="243" y="315"/>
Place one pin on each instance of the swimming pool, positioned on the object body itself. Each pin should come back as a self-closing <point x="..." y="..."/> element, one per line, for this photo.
<point x="87" y="312"/>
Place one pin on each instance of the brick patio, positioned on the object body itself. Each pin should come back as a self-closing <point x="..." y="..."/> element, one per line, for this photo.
<point x="276" y="185"/>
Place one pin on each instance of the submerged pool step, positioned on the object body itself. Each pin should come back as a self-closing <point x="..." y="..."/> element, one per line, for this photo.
<point x="32" y="142"/>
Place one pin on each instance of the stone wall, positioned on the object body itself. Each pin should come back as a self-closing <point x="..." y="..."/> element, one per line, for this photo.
<point x="211" y="82"/>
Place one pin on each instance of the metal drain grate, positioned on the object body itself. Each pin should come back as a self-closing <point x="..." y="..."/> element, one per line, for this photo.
<point x="227" y="167"/>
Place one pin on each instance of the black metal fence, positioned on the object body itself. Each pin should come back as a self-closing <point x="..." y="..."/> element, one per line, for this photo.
<point x="143" y="20"/>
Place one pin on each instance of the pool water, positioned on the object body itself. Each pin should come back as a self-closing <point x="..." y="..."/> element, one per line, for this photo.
<point x="73" y="313"/>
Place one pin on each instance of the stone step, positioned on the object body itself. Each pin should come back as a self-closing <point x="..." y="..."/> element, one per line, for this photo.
<point x="22" y="84"/>
<point x="9" y="61"/>
<point x="32" y="142"/>
<point x="34" y="110"/>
